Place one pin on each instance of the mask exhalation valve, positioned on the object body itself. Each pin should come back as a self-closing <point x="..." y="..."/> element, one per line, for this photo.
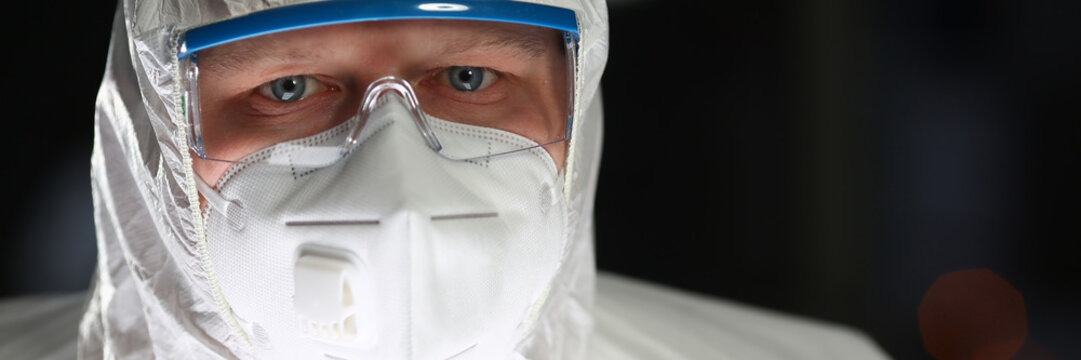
<point x="333" y="300"/>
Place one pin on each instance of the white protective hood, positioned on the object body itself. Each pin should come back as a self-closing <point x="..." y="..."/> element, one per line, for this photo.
<point x="155" y="295"/>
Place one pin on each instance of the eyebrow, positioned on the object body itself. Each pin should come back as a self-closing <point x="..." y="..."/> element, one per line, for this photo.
<point x="239" y="56"/>
<point x="525" y="42"/>
<point x="528" y="43"/>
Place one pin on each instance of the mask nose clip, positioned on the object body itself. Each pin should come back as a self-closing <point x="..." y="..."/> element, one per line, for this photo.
<point x="389" y="85"/>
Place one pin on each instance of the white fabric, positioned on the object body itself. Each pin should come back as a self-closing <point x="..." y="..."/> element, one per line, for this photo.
<point x="40" y="327"/>
<point x="156" y="293"/>
<point x="634" y="320"/>
<point x="638" y="320"/>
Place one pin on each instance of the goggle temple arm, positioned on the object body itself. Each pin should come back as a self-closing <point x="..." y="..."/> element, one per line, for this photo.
<point x="190" y="104"/>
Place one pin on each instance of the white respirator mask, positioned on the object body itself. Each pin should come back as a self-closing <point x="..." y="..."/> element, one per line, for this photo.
<point x="393" y="252"/>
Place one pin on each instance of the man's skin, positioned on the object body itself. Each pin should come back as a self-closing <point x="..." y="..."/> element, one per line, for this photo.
<point x="525" y="91"/>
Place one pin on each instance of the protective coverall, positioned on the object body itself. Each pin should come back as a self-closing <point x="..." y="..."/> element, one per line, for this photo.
<point x="155" y="296"/>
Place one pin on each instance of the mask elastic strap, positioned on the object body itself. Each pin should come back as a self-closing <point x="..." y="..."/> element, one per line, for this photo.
<point x="233" y="210"/>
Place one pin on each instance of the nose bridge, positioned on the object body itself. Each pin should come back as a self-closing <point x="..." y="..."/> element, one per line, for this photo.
<point x="385" y="91"/>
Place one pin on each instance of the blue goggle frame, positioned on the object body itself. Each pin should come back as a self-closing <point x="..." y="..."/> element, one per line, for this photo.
<point x="331" y="12"/>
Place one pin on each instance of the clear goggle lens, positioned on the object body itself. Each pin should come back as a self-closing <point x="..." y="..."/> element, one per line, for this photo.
<point x="302" y="97"/>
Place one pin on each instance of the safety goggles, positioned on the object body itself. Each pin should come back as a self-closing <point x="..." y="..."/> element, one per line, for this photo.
<point x="295" y="85"/>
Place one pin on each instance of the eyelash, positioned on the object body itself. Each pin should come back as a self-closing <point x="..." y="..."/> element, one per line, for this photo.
<point x="439" y="81"/>
<point x="437" y="78"/>
<point x="264" y="106"/>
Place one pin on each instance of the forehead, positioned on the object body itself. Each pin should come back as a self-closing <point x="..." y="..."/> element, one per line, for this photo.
<point x="432" y="37"/>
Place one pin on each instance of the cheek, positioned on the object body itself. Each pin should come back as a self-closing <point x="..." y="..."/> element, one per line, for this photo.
<point x="210" y="171"/>
<point x="558" y="152"/>
<point x="541" y="114"/>
<point x="541" y="124"/>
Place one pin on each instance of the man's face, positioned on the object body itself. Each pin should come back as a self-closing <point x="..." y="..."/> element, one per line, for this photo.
<point x="273" y="88"/>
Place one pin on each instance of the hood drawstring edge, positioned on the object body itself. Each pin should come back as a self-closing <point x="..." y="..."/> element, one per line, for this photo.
<point x="200" y="228"/>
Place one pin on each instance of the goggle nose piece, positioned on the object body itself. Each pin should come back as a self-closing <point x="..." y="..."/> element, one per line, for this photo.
<point x="394" y="85"/>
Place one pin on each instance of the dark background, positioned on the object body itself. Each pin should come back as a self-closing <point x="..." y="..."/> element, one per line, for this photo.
<point x="824" y="158"/>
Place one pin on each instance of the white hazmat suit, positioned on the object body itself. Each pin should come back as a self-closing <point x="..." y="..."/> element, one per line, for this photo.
<point x="155" y="294"/>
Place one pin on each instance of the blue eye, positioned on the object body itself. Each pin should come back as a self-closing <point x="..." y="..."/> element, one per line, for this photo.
<point x="290" y="88"/>
<point x="287" y="89"/>
<point x="469" y="78"/>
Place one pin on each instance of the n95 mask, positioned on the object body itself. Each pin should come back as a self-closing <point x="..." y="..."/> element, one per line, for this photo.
<point x="394" y="252"/>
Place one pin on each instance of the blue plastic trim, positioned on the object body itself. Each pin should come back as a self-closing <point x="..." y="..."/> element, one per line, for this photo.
<point x="331" y="12"/>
